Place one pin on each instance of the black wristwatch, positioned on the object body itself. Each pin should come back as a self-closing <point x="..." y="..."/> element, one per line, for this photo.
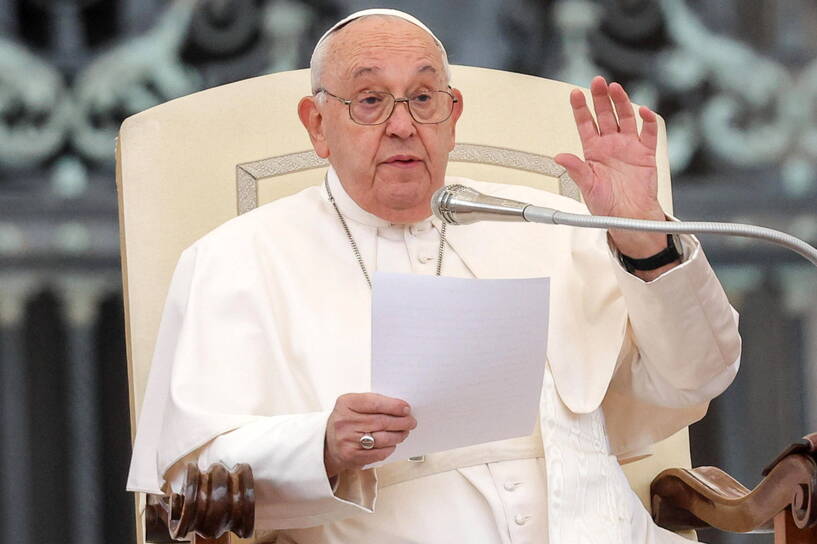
<point x="666" y="256"/>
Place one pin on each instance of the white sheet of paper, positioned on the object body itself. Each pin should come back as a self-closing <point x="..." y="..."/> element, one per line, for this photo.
<point x="468" y="355"/>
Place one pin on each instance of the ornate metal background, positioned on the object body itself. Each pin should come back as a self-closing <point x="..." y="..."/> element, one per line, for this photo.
<point x="736" y="81"/>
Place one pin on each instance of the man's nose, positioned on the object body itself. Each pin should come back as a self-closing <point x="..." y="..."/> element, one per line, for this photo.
<point x="401" y="123"/>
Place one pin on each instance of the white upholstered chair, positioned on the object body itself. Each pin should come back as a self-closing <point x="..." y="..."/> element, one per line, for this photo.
<point x="186" y="166"/>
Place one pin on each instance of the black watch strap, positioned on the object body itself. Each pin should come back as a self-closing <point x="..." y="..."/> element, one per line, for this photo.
<point x="668" y="255"/>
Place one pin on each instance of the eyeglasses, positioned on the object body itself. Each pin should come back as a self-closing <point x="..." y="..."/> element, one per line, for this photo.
<point x="375" y="107"/>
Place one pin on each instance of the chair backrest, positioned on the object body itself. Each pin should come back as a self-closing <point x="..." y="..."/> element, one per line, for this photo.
<point x="186" y="166"/>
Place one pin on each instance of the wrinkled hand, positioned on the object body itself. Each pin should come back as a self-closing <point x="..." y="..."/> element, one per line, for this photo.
<point x="618" y="176"/>
<point x="387" y="419"/>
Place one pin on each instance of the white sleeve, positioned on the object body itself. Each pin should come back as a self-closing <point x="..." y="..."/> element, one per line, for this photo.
<point x="209" y="402"/>
<point x="290" y="482"/>
<point x="682" y="346"/>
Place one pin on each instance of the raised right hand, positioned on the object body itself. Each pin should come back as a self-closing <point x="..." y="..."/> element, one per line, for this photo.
<point x="387" y="419"/>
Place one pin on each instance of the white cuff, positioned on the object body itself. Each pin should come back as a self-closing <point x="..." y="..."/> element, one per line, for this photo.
<point x="291" y="486"/>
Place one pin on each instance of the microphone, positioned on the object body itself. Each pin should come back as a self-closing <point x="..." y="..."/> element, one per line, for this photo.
<point x="460" y="205"/>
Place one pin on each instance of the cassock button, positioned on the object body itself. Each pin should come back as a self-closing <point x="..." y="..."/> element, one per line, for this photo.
<point x="521" y="519"/>
<point x="419" y="228"/>
<point x="510" y="486"/>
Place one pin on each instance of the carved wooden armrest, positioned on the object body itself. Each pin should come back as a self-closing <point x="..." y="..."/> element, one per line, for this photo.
<point x="212" y="504"/>
<point x="708" y="497"/>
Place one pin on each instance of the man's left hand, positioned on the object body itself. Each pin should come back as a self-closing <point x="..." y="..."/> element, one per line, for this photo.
<point x="618" y="176"/>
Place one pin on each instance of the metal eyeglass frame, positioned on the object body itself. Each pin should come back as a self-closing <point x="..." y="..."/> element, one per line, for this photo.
<point x="396" y="100"/>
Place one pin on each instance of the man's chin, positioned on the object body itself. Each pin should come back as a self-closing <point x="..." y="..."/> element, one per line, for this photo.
<point x="403" y="196"/>
<point x="404" y="204"/>
<point x="402" y="187"/>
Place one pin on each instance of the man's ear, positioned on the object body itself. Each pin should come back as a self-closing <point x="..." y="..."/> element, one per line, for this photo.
<point x="455" y="116"/>
<point x="312" y="120"/>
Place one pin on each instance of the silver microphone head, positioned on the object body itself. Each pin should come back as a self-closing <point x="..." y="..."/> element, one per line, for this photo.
<point x="460" y="205"/>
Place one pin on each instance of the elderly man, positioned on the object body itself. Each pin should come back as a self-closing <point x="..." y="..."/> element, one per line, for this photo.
<point x="275" y="307"/>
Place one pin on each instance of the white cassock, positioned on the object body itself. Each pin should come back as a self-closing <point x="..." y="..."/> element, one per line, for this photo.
<point x="267" y="322"/>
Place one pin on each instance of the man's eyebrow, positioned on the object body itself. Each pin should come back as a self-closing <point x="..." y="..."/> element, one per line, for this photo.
<point x="365" y="70"/>
<point x="427" y="68"/>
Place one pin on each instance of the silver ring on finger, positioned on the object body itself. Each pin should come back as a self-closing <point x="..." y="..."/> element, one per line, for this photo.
<point x="367" y="441"/>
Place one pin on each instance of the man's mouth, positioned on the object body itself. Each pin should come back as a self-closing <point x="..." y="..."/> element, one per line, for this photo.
<point x="403" y="161"/>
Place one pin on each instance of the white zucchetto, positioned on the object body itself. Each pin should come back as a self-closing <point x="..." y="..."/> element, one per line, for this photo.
<point x="379" y="11"/>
